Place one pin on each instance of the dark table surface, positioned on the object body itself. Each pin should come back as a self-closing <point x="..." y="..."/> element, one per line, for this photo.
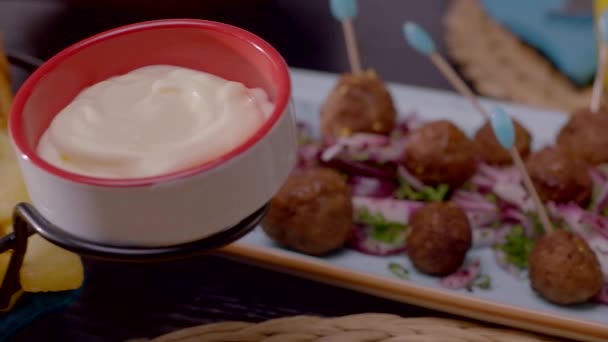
<point x="123" y="301"/>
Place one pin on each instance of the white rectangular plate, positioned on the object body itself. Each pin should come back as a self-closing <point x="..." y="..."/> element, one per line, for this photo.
<point x="509" y="301"/>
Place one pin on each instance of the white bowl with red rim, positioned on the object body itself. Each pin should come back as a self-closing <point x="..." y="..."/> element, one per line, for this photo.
<point x="170" y="209"/>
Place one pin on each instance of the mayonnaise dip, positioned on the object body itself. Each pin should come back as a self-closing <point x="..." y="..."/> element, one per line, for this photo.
<point x="153" y="120"/>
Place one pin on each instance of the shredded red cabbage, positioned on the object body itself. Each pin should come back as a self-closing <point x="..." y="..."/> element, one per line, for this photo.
<point x="600" y="190"/>
<point x="515" y="216"/>
<point x="602" y="296"/>
<point x="308" y="156"/>
<point x="596" y="222"/>
<point x="365" y="147"/>
<point x="500" y="175"/>
<point x="480" y="211"/>
<point x="474" y="201"/>
<point x="462" y="278"/>
<point x="410" y="179"/>
<point x="600" y="246"/>
<point x="391" y="209"/>
<point x="362" y="169"/>
<point x="598" y="175"/>
<point x="371" y="187"/>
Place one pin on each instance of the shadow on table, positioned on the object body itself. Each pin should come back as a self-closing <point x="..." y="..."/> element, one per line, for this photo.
<point x="123" y="301"/>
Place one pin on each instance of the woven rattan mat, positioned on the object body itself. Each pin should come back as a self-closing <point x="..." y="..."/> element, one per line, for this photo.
<point x="369" y="327"/>
<point x="499" y="65"/>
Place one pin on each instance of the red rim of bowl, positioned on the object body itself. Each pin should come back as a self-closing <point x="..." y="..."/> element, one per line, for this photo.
<point x="281" y="102"/>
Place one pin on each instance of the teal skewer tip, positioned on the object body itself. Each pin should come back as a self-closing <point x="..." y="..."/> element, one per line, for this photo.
<point x="418" y="38"/>
<point x="603" y="26"/>
<point x="503" y="127"/>
<point x="343" y="9"/>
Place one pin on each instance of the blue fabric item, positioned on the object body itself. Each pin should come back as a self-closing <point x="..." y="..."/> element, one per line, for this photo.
<point x="568" y="41"/>
<point x="32" y="306"/>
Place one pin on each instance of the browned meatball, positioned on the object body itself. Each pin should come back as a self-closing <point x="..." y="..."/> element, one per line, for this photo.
<point x="563" y="269"/>
<point x="358" y="103"/>
<point x="439" y="152"/>
<point x="584" y="136"/>
<point x="558" y="177"/>
<point x="493" y="153"/>
<point x="312" y="212"/>
<point x="439" y="238"/>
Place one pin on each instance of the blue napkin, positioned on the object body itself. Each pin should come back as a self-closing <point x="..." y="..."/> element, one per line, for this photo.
<point x="32" y="306"/>
<point x="568" y="41"/>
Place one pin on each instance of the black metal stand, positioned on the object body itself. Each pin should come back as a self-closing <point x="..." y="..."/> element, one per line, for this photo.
<point x="28" y="221"/>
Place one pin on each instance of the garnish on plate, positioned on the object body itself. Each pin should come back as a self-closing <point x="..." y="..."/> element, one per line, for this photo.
<point x="517" y="247"/>
<point x="426" y="194"/>
<point x="399" y="270"/>
<point x="382" y="229"/>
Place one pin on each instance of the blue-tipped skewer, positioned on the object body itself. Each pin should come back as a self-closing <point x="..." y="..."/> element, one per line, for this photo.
<point x="422" y="42"/>
<point x="345" y="11"/>
<point x="502" y="125"/>
<point x="500" y="121"/>
<point x="418" y="38"/>
<point x="600" y="73"/>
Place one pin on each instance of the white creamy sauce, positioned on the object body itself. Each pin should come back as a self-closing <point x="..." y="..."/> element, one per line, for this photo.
<point x="153" y="120"/>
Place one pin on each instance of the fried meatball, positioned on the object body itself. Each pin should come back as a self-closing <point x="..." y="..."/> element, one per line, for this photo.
<point x="563" y="269"/>
<point x="439" y="238"/>
<point x="584" y="136"/>
<point x="358" y="103"/>
<point x="490" y="150"/>
<point x="312" y="213"/>
<point x="558" y="177"/>
<point x="439" y="152"/>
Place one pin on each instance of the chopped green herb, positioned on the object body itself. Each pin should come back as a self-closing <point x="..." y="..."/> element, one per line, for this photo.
<point x="437" y="194"/>
<point x="382" y="229"/>
<point x="468" y="185"/>
<point x="496" y="224"/>
<point x="483" y="281"/>
<point x="396" y="134"/>
<point x="387" y="234"/>
<point x="399" y="270"/>
<point x="485" y="233"/>
<point x="303" y="140"/>
<point x="538" y="225"/>
<point x="361" y="156"/>
<point x="406" y="192"/>
<point x="427" y="194"/>
<point x="492" y="198"/>
<point x="604" y="211"/>
<point x="594" y="198"/>
<point x="517" y="247"/>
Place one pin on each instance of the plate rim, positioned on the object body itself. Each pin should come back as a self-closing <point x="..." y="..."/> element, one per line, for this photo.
<point x="411" y="293"/>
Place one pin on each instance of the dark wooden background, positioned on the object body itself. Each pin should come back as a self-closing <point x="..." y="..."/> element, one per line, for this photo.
<point x="129" y="301"/>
